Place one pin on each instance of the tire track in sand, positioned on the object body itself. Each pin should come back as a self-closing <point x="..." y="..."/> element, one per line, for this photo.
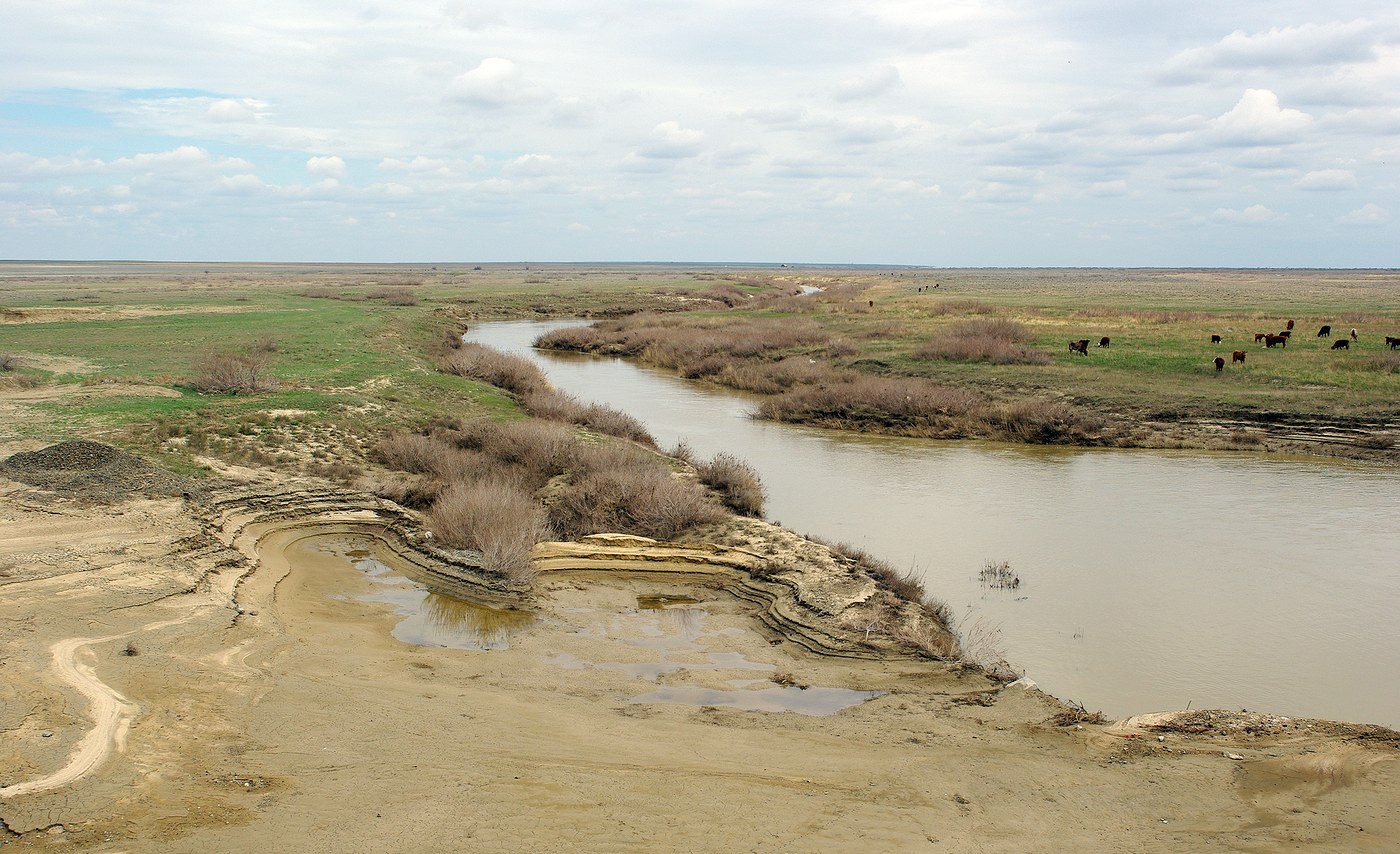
<point x="111" y="712"/>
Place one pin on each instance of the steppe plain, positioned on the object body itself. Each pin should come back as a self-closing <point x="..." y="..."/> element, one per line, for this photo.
<point x="189" y="664"/>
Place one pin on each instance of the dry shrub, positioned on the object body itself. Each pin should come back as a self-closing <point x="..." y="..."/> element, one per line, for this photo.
<point x="321" y="293"/>
<point x="232" y="373"/>
<point x="683" y="344"/>
<point x="395" y="296"/>
<point x="736" y="482"/>
<point x="728" y="294"/>
<point x="903" y="584"/>
<point x="774" y="377"/>
<point x="8" y="362"/>
<point x="410" y="490"/>
<point x="1042" y="422"/>
<point x="537" y="450"/>
<point x="907" y="406"/>
<point x="500" y="520"/>
<point x="558" y="406"/>
<point x="515" y="374"/>
<point x="997" y="341"/>
<point x="622" y="489"/>
<point x="1387" y="363"/>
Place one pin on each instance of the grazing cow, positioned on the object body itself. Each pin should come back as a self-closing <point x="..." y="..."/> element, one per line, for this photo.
<point x="1103" y="342"/>
<point x="1289" y="326"/>
<point x="1215" y="339"/>
<point x="1259" y="336"/>
<point x="1324" y="332"/>
<point x="1353" y="333"/>
<point x="1341" y="344"/>
<point x="1287" y="333"/>
<point x="1219" y="363"/>
<point x="1271" y="340"/>
<point x="1081" y="346"/>
<point x="1392" y="343"/>
<point x="1237" y="356"/>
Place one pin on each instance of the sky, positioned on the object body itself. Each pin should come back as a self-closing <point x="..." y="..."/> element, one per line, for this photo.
<point x="924" y="132"/>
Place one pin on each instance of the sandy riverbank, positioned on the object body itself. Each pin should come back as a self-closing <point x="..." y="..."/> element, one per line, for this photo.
<point x="302" y="723"/>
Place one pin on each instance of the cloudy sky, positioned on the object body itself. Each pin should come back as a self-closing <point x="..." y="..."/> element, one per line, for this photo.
<point x="935" y="132"/>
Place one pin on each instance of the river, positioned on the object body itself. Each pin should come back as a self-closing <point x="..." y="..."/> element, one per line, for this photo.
<point x="1150" y="580"/>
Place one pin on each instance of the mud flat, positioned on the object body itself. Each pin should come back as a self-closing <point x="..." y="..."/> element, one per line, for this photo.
<point x="639" y="697"/>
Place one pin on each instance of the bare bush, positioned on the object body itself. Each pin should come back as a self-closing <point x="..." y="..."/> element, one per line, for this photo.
<point x="736" y="482"/>
<point x="998" y="341"/>
<point x="625" y="490"/>
<point x="395" y="296"/>
<point x="232" y="373"/>
<point x="497" y="519"/>
<point x="515" y="374"/>
<point x="8" y="362"/>
<point x="910" y="407"/>
<point x="409" y="490"/>
<point x="558" y="406"/>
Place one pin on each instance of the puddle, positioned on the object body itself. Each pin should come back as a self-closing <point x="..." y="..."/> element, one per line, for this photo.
<point x="777" y="698"/>
<point x="434" y="619"/>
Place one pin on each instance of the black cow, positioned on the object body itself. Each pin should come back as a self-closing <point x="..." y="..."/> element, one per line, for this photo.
<point x="1392" y="343"/>
<point x="1341" y="344"/>
<point x="1219" y="363"/>
<point x="1215" y="339"/>
<point x="1081" y="346"/>
<point x="1324" y="332"/>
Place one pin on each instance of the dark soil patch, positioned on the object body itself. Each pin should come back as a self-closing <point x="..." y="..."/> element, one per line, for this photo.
<point x="95" y="472"/>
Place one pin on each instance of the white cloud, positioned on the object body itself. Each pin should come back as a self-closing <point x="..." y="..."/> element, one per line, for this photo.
<point x="1257" y="119"/>
<point x="1326" y="44"/>
<point x="1252" y="215"/>
<point x="329" y="167"/>
<point x="669" y="140"/>
<point x="1328" y="179"/>
<point x="496" y="82"/>
<point x="1367" y="214"/>
<point x="232" y="110"/>
<point x="871" y="85"/>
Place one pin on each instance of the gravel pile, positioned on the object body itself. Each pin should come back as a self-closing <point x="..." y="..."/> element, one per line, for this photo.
<point x="93" y="471"/>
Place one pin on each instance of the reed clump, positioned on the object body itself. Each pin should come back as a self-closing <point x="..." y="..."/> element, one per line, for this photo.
<point x="997" y="341"/>
<point x="736" y="483"/>
<point x="498" y="519"/>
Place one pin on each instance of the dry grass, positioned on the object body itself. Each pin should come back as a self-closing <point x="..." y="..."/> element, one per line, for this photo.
<point x="233" y="373"/>
<point x="996" y="341"/>
<point x="878" y="404"/>
<point x="498" y="519"/>
<point x="515" y="374"/>
<point x="736" y="482"/>
<point x="622" y="489"/>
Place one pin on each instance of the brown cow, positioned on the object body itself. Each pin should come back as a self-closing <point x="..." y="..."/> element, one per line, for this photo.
<point x="1081" y="346"/>
<point x="1392" y="343"/>
<point x="1341" y="344"/>
<point x="1259" y="336"/>
<point x="1215" y="339"/>
<point x="1290" y="325"/>
<point x="1103" y="342"/>
<point x="1324" y="332"/>
<point x="1219" y="363"/>
<point x="1237" y="356"/>
<point x="1271" y="340"/>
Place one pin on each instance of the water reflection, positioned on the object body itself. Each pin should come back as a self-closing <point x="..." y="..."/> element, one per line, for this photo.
<point x="434" y="619"/>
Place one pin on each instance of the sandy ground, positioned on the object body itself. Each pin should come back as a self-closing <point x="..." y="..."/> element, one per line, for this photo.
<point x="269" y="706"/>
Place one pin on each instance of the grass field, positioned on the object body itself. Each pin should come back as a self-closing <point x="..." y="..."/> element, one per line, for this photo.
<point x="354" y="349"/>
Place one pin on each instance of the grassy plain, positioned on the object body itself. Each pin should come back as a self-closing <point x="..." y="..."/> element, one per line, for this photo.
<point x="354" y="358"/>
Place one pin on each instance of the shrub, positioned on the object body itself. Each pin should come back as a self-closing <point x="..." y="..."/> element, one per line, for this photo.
<point x="736" y="482"/>
<point x="558" y="406"/>
<point x="395" y="296"/>
<point x="8" y="362"/>
<point x="498" y="519"/>
<point x="515" y="374"/>
<point x="998" y="341"/>
<point x="910" y="407"/>
<point x="623" y="489"/>
<point x="230" y="373"/>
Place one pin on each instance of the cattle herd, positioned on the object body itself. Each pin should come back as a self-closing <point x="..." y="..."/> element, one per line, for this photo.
<point x="1268" y="339"/>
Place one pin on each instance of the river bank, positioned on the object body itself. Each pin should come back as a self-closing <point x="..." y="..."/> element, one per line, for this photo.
<point x="268" y="705"/>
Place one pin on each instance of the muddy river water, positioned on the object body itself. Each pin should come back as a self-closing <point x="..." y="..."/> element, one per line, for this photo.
<point x="1149" y="580"/>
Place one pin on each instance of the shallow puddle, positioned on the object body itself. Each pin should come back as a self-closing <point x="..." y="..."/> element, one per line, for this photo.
<point x="433" y="619"/>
